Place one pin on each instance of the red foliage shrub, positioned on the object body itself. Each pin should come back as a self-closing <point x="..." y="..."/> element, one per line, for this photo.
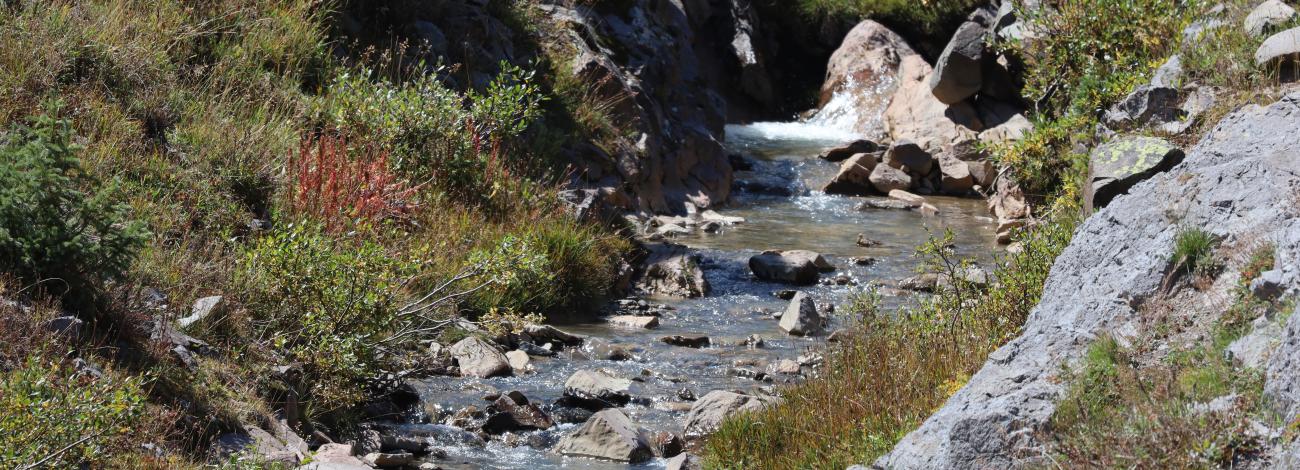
<point x="343" y="190"/>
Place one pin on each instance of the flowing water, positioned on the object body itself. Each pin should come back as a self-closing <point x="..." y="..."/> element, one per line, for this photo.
<point x="785" y="157"/>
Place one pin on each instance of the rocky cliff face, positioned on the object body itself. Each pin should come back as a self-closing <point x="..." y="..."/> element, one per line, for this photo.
<point x="1239" y="183"/>
<point x="666" y="69"/>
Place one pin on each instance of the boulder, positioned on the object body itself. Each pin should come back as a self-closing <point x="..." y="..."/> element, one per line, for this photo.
<point x="519" y="361"/>
<point x="1148" y="105"/>
<point x="1267" y="17"/>
<point x="801" y="317"/>
<point x="672" y="270"/>
<point x="982" y="173"/>
<point x="886" y="178"/>
<point x="634" y="321"/>
<point x="1280" y="50"/>
<point x="957" y="72"/>
<point x="609" y="435"/>
<point x="1008" y="202"/>
<point x="854" y="177"/>
<point x="279" y="446"/>
<point x="389" y="459"/>
<point x="915" y="114"/>
<point x="906" y="155"/>
<point x="842" y="153"/>
<point x="955" y="176"/>
<point x="597" y="390"/>
<point x="1116" y="166"/>
<point x="1013" y="129"/>
<point x="512" y="412"/>
<point x="862" y="74"/>
<point x="478" y="358"/>
<point x="710" y="410"/>
<point x="786" y="366"/>
<point x="792" y="266"/>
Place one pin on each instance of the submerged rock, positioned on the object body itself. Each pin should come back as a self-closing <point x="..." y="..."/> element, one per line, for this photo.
<point x="608" y="435"/>
<point x="686" y="341"/>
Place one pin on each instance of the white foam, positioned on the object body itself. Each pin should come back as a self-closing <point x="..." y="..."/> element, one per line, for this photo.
<point x="788" y="131"/>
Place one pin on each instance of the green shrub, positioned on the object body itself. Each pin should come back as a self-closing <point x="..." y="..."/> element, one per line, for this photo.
<point x="50" y="228"/>
<point x="1089" y="53"/>
<point x="329" y="305"/>
<point x="435" y="138"/>
<point x="51" y="416"/>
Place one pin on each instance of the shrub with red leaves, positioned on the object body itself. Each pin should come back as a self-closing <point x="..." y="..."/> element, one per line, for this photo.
<point x="343" y="190"/>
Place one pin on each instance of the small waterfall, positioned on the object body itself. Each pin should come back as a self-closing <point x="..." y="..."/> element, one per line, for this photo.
<point x="857" y="108"/>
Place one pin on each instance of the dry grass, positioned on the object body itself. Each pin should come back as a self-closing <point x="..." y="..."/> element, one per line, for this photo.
<point x="900" y="368"/>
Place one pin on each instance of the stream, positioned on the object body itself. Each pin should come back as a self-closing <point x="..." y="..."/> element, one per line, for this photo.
<point x="784" y="157"/>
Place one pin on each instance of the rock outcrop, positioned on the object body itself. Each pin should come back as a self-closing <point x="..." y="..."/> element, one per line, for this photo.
<point x="672" y="270"/>
<point x="1116" y="166"/>
<point x="478" y="358"/>
<point x="1238" y="183"/>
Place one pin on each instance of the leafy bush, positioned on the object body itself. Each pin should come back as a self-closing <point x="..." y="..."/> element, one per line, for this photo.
<point x="898" y="367"/>
<point x="1089" y="53"/>
<point x="52" y="416"/>
<point x="434" y="137"/>
<point x="49" y="228"/>
<point x="329" y="305"/>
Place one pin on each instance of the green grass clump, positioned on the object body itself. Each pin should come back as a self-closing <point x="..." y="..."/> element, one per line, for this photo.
<point x="1194" y="252"/>
<point x="897" y="369"/>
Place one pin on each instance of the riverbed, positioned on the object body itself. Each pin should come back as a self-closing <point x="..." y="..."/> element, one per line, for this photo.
<point x="798" y="216"/>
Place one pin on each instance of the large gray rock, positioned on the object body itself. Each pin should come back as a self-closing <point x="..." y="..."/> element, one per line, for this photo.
<point x="863" y="72"/>
<point x="596" y="389"/>
<point x="906" y="155"/>
<point x="790" y="266"/>
<point x="854" y="177"/>
<point x="1237" y="183"/>
<point x="886" y="178"/>
<point x="710" y="410"/>
<point x="672" y="270"/>
<point x="609" y="435"/>
<point x="1281" y="48"/>
<point x="1148" y="105"/>
<point x="957" y="72"/>
<point x="1267" y="17"/>
<point x="954" y="175"/>
<point x="915" y="114"/>
<point x="801" y="317"/>
<point x="1116" y="166"/>
<point x="478" y="358"/>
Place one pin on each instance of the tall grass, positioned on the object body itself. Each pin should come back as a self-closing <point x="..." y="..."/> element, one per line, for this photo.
<point x="898" y="369"/>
